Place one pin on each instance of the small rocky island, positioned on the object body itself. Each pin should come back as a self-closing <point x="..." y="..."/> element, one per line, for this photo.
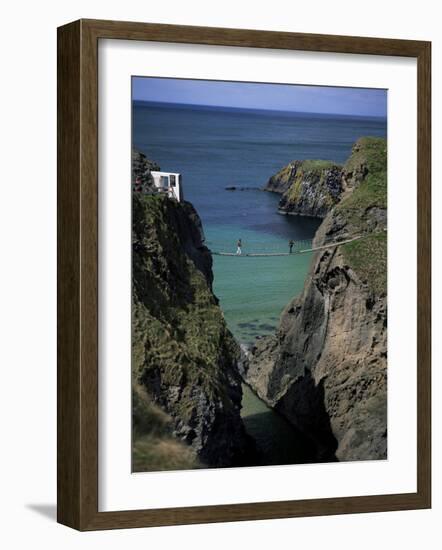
<point x="325" y="369"/>
<point x="308" y="187"/>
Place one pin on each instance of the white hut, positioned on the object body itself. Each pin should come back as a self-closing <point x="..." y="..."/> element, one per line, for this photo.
<point x="169" y="183"/>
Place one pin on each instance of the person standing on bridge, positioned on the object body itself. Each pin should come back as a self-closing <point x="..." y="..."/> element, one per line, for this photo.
<point x="239" y="246"/>
<point x="291" y="243"/>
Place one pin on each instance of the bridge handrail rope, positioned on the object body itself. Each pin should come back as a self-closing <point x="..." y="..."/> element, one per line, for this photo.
<point x="298" y="242"/>
<point x="326" y="244"/>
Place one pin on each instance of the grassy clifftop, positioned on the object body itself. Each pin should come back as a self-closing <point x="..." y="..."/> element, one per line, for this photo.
<point x="366" y="169"/>
<point x="364" y="210"/>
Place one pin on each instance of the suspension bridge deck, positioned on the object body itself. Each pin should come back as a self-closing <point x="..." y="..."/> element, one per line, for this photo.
<point x="269" y="254"/>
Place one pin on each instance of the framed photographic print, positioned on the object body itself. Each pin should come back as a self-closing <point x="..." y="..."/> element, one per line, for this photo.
<point x="244" y="274"/>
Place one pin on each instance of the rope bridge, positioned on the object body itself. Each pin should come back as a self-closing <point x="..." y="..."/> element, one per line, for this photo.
<point x="297" y="251"/>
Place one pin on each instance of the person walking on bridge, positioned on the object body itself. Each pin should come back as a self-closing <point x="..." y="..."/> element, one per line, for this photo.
<point x="239" y="246"/>
<point x="291" y="243"/>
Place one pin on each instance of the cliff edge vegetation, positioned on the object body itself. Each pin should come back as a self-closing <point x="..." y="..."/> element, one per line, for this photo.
<point x="154" y="446"/>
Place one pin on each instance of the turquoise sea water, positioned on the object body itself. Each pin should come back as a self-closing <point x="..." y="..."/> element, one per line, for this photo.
<point x="254" y="290"/>
<point x="215" y="148"/>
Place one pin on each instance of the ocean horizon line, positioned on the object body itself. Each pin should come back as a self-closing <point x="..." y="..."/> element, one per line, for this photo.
<point x="227" y="108"/>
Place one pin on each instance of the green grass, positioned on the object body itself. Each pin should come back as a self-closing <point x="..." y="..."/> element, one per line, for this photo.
<point x="154" y="448"/>
<point x="366" y="170"/>
<point x="367" y="166"/>
<point x="368" y="259"/>
<point x="368" y="150"/>
<point x="153" y="454"/>
<point x="317" y="165"/>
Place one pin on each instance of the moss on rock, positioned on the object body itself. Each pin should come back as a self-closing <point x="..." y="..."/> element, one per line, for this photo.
<point x="183" y="355"/>
<point x="366" y="170"/>
<point x="364" y="212"/>
<point x="368" y="259"/>
<point x="308" y="187"/>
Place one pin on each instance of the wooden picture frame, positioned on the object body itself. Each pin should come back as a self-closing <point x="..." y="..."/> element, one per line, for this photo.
<point x="78" y="274"/>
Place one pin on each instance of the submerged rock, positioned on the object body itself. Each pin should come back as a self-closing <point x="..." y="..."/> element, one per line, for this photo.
<point x="325" y="369"/>
<point x="244" y="188"/>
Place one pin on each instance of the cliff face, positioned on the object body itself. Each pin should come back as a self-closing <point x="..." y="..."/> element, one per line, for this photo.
<point x="326" y="367"/>
<point x="183" y="355"/>
<point x="308" y="187"/>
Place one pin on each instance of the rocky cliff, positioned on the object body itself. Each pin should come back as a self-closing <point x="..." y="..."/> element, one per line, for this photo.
<point x="142" y="180"/>
<point x="184" y="358"/>
<point x="326" y="367"/>
<point x="308" y="187"/>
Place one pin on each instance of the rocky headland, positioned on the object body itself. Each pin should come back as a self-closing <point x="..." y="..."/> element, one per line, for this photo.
<point x="308" y="187"/>
<point x="325" y="369"/>
<point x="186" y="384"/>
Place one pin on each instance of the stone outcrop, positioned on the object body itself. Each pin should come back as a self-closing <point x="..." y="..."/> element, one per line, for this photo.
<point x="308" y="187"/>
<point x="326" y="367"/>
<point x="142" y="180"/>
<point x="183" y="355"/>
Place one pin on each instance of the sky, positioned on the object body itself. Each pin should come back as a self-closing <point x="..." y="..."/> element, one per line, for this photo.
<point x="279" y="97"/>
